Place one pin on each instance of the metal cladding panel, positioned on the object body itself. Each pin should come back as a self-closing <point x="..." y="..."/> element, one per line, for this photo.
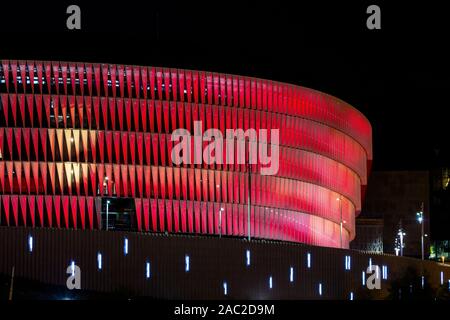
<point x="212" y="262"/>
<point x="121" y="124"/>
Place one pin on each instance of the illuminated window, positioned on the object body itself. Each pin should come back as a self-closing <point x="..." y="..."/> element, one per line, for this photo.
<point x="225" y="288"/>
<point x="99" y="261"/>
<point x="30" y="243"/>
<point x="248" y="258"/>
<point x="270" y="282"/>
<point x="187" y="263"/>
<point x="320" y="289"/>
<point x="125" y="246"/>
<point x="363" y="278"/>
<point x="351" y="296"/>
<point x="72" y="264"/>
<point x="291" y="274"/>
<point x="370" y="263"/>
<point x="308" y="260"/>
<point x="147" y="270"/>
<point x="442" y="278"/>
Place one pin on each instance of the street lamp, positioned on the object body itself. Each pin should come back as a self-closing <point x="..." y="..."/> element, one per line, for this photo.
<point x="107" y="213"/>
<point x="220" y="222"/>
<point x="340" y="209"/>
<point x="419" y="216"/>
<point x="401" y="234"/>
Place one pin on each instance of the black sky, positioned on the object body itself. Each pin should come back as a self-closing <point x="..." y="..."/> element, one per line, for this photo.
<point x="399" y="76"/>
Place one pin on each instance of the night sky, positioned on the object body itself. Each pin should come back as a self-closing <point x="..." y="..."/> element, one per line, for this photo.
<point x="399" y="76"/>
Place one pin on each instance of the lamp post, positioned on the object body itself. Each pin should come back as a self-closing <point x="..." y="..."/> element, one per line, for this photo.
<point x="419" y="216"/>
<point x="340" y="209"/>
<point x="220" y="222"/>
<point x="248" y="199"/>
<point x="107" y="213"/>
<point x="401" y="234"/>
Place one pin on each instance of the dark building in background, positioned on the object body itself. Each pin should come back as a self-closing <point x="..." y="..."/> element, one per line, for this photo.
<point x="396" y="197"/>
<point x="369" y="235"/>
<point x="440" y="204"/>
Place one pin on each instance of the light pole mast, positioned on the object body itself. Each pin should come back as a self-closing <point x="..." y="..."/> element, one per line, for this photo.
<point x="401" y="234"/>
<point x="250" y="159"/>
<point x="420" y="219"/>
<point x="340" y="209"/>
<point x="423" y="227"/>
<point x="248" y="199"/>
<point x="107" y="213"/>
<point x="220" y="222"/>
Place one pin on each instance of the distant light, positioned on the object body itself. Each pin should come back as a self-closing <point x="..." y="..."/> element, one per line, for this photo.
<point x="30" y="243"/>
<point x="225" y="288"/>
<point x="147" y="270"/>
<point x="270" y="282"/>
<point x="370" y="263"/>
<point x="291" y="274"/>
<point x="72" y="264"/>
<point x="363" y="278"/>
<point x="351" y="296"/>
<point x="419" y="216"/>
<point x="423" y="282"/>
<point x="248" y="258"/>
<point x="187" y="263"/>
<point x="320" y="289"/>
<point x="71" y="140"/>
<point x="308" y="260"/>
<point x="397" y="251"/>
<point x="449" y="285"/>
<point x="99" y="261"/>
<point x="442" y="277"/>
<point x="125" y="246"/>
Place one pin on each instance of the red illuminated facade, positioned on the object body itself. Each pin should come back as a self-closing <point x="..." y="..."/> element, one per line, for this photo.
<point x="74" y="133"/>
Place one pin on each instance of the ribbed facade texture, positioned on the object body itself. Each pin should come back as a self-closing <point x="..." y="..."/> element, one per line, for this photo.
<point x="74" y="133"/>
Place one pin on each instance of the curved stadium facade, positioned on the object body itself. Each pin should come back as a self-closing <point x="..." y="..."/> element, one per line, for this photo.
<point x="81" y="141"/>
